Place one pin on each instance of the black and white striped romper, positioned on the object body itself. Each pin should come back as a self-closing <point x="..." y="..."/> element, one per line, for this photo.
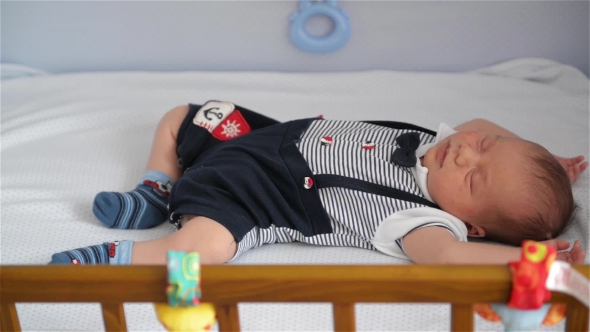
<point x="356" y="183"/>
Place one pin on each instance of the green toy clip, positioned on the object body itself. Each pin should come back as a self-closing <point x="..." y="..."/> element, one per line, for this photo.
<point x="184" y="278"/>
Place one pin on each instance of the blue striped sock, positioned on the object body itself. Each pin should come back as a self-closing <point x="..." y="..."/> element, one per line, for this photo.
<point x="118" y="253"/>
<point x="143" y="207"/>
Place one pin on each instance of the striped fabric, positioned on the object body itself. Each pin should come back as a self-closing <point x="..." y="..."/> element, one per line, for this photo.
<point x="345" y="148"/>
<point x="347" y="157"/>
<point x="98" y="254"/>
<point x="135" y="203"/>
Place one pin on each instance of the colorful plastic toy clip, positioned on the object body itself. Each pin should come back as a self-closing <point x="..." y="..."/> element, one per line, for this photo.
<point x="184" y="310"/>
<point x="533" y="278"/>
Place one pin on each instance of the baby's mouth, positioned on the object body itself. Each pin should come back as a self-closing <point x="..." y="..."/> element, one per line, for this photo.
<point x="442" y="154"/>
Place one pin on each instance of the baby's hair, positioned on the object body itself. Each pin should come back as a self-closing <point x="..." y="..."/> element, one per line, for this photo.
<point x="551" y="202"/>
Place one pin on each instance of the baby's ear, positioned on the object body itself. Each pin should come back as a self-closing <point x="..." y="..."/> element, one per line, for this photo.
<point x="475" y="231"/>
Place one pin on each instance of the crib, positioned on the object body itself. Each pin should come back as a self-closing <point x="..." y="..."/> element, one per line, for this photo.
<point x="225" y="286"/>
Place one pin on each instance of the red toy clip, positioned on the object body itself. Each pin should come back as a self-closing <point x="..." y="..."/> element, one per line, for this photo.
<point x="529" y="276"/>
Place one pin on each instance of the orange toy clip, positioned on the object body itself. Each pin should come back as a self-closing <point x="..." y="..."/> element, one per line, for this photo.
<point x="530" y="275"/>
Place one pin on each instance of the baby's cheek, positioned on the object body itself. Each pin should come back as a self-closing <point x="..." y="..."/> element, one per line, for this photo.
<point x="450" y="198"/>
<point x="469" y="209"/>
<point x="439" y="192"/>
<point x="457" y="210"/>
<point x="429" y="185"/>
<point x="444" y="185"/>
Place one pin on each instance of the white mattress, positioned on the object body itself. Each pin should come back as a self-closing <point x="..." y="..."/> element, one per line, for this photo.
<point x="67" y="137"/>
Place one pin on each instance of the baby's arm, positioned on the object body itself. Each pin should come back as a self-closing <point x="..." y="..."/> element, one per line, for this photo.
<point x="573" y="166"/>
<point x="436" y="245"/>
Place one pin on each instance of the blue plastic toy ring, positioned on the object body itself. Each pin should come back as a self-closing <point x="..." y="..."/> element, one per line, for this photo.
<point x="314" y="44"/>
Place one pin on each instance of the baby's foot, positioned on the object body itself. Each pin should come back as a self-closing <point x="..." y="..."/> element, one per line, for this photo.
<point x="106" y="253"/>
<point x="143" y="207"/>
<point x="138" y="209"/>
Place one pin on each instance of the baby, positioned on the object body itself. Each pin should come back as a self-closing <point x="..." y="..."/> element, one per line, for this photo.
<point x="231" y="179"/>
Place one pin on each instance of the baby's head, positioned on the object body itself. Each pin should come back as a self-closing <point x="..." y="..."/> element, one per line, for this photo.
<point x="505" y="189"/>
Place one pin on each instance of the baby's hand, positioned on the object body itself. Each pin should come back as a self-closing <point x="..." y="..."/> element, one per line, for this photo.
<point x="573" y="166"/>
<point x="574" y="256"/>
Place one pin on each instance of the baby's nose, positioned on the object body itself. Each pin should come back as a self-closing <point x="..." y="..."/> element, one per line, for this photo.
<point x="466" y="156"/>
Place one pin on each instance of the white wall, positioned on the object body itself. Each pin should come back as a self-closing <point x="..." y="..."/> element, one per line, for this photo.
<point x="252" y="35"/>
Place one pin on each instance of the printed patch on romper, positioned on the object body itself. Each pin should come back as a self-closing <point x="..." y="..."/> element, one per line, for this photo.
<point x="212" y="114"/>
<point x="233" y="126"/>
<point x="222" y="120"/>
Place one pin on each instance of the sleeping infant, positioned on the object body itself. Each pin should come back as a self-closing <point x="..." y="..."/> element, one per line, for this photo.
<point x="230" y="180"/>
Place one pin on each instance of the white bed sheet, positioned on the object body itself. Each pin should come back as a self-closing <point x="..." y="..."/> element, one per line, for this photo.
<point x="67" y="137"/>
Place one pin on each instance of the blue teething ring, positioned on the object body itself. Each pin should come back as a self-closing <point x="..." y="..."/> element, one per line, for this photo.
<point x="314" y="44"/>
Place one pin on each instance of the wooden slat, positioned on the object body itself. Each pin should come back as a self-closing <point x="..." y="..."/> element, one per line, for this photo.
<point x="352" y="284"/>
<point x="113" y="315"/>
<point x="228" y="317"/>
<point x="462" y="317"/>
<point x="266" y="283"/>
<point x="99" y="283"/>
<point x="577" y="317"/>
<point x="9" y="317"/>
<point x="344" y="317"/>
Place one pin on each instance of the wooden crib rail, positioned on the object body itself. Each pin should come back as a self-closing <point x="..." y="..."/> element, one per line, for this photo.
<point x="227" y="285"/>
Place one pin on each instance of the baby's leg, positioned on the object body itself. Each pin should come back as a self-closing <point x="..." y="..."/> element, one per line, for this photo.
<point x="211" y="240"/>
<point x="163" y="156"/>
<point x="145" y="206"/>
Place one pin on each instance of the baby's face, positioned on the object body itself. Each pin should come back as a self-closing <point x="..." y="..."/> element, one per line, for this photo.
<point x="471" y="174"/>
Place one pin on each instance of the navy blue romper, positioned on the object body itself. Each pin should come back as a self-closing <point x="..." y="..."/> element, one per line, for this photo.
<point x="254" y="176"/>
